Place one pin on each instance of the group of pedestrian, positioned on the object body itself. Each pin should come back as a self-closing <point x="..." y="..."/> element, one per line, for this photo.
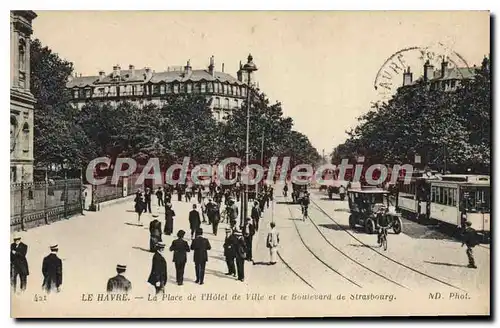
<point x="180" y="247"/>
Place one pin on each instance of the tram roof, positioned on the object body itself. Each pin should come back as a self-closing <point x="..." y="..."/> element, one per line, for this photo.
<point x="369" y="191"/>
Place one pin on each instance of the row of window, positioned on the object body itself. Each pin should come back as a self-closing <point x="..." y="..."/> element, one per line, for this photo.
<point x="444" y="196"/>
<point x="161" y="89"/>
<point x="444" y="85"/>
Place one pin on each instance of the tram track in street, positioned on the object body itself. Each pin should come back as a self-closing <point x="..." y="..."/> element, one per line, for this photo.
<point x="321" y="210"/>
<point x="318" y="258"/>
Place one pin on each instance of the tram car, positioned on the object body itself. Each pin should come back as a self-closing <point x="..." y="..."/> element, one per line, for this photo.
<point x="450" y="199"/>
<point x="413" y="198"/>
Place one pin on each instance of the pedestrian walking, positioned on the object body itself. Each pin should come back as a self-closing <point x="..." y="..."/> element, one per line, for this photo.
<point x="169" y="219"/>
<point x="285" y="190"/>
<point x="230" y="252"/>
<point x="154" y="234"/>
<point x="147" y="200"/>
<point x="272" y="242"/>
<point x="255" y="215"/>
<point x="159" y="197"/>
<point x="168" y="197"/>
<point x="194" y="221"/>
<point x="18" y="264"/>
<point x="179" y="192"/>
<point x="52" y="271"/>
<point x="470" y="240"/>
<point x="200" y="247"/>
<point x="158" y="275"/>
<point x="200" y="195"/>
<point x="180" y="247"/>
<point x="215" y="219"/>
<point x="140" y="206"/>
<point x="240" y="250"/>
<point x="248" y="233"/>
<point x="119" y="284"/>
<point x="210" y="209"/>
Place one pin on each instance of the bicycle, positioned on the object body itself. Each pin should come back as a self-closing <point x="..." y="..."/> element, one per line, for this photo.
<point x="304" y="213"/>
<point x="383" y="238"/>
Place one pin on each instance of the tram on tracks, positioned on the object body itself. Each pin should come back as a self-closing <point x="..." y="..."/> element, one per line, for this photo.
<point x="451" y="199"/>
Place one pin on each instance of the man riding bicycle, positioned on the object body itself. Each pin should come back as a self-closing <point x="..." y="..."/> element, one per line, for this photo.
<point x="383" y="222"/>
<point x="304" y="203"/>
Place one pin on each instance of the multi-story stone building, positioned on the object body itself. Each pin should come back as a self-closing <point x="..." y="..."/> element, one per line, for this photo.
<point x="145" y="86"/>
<point x="446" y="78"/>
<point x="21" y="100"/>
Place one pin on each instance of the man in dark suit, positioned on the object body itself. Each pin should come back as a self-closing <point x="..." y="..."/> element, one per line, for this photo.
<point x="194" y="221"/>
<point x="248" y="233"/>
<point x="230" y="252"/>
<point x="255" y="215"/>
<point x="200" y="246"/>
<point x="158" y="275"/>
<point x="119" y="284"/>
<point x="180" y="247"/>
<point x="52" y="271"/>
<point x="154" y="234"/>
<point x="147" y="200"/>
<point x="159" y="196"/>
<point x="240" y="250"/>
<point x="18" y="263"/>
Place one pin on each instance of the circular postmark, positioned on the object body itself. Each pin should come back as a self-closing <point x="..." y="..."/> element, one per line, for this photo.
<point x="413" y="63"/>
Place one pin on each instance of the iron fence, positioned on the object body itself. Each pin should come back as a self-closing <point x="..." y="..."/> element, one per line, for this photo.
<point x="36" y="203"/>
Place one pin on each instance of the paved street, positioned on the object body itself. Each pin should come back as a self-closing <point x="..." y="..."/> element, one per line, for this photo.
<point x="321" y="254"/>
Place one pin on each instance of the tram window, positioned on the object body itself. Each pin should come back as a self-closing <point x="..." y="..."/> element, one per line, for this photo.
<point x="445" y="194"/>
<point x="440" y="196"/>
<point x="453" y="196"/>
<point x="433" y="194"/>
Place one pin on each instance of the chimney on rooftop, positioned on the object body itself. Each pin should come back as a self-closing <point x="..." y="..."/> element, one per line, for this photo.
<point x="131" y="67"/>
<point x="222" y="67"/>
<point x="407" y="77"/>
<point x="101" y="75"/>
<point x="148" y="74"/>
<point x="444" y="66"/>
<point x="211" y="67"/>
<point x="428" y="71"/>
<point x="116" y="70"/>
<point x="188" y="68"/>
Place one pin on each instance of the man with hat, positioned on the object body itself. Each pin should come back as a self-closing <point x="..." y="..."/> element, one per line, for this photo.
<point x="154" y="234"/>
<point x="255" y="214"/>
<point x="52" y="271"/>
<point x="248" y="233"/>
<point x="232" y="210"/>
<point x="18" y="263"/>
<point x="194" y="221"/>
<point x="240" y="252"/>
<point x="158" y="275"/>
<point x="169" y="219"/>
<point x="470" y="240"/>
<point x="119" y="284"/>
<point x="180" y="247"/>
<point x="200" y="246"/>
<point x="230" y="252"/>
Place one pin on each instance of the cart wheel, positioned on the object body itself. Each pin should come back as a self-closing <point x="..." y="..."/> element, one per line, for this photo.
<point x="352" y="222"/>
<point x="397" y="225"/>
<point x="369" y="226"/>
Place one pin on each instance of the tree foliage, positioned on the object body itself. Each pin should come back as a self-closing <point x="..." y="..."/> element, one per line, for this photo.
<point x="438" y="125"/>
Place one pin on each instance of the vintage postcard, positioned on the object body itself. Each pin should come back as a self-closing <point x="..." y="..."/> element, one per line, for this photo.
<point x="178" y="164"/>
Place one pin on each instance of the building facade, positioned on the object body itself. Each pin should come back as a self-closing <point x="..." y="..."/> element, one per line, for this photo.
<point x="445" y="78"/>
<point x="145" y="86"/>
<point x="21" y="100"/>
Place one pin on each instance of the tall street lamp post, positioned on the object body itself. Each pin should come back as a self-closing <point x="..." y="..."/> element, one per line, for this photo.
<point x="249" y="68"/>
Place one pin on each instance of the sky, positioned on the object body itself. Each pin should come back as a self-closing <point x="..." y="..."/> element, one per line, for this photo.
<point x="320" y="65"/>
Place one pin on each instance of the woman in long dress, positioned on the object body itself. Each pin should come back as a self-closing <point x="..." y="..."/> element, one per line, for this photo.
<point x="273" y="240"/>
<point x="140" y="205"/>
